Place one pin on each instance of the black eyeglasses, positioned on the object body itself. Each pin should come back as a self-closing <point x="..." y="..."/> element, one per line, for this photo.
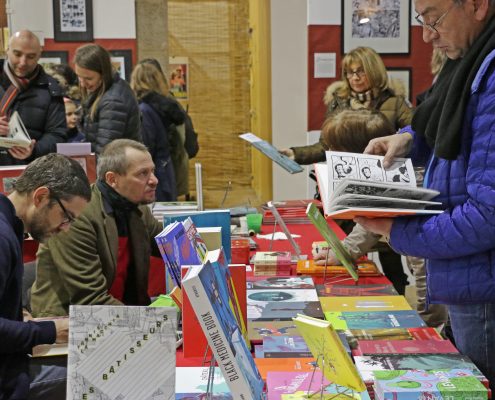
<point x="69" y="219"/>
<point x="358" y="72"/>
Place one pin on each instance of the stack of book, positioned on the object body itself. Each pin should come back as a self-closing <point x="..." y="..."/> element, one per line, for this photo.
<point x="272" y="263"/>
<point x="292" y="211"/>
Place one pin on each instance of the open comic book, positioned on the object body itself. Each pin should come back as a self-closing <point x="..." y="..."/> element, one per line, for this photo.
<point x="353" y="184"/>
<point x="271" y="152"/>
<point x="18" y="134"/>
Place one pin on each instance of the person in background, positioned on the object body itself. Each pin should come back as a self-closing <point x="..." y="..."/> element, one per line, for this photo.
<point x="110" y="109"/>
<point x="104" y="257"/>
<point x="67" y="79"/>
<point x="27" y="89"/>
<point x="150" y="90"/>
<point x="364" y="84"/>
<point x="48" y="196"/>
<point x="452" y="134"/>
<point x="74" y="135"/>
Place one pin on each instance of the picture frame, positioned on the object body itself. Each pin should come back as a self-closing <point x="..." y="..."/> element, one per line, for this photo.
<point x="404" y="75"/>
<point x="383" y="25"/>
<point x="122" y="62"/>
<point x="53" y="57"/>
<point x="73" y="20"/>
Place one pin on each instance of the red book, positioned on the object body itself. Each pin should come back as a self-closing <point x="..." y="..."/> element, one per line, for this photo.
<point x="431" y="346"/>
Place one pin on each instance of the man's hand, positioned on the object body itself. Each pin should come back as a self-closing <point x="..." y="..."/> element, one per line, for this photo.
<point x="288" y="152"/>
<point x="321" y="258"/>
<point x="62" y="327"/>
<point x="398" y="145"/>
<point x="26" y="315"/>
<point x="4" y="126"/>
<point x="381" y="226"/>
<point x="21" y="153"/>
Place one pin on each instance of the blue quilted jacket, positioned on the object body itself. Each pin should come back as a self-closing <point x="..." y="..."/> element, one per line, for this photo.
<point x="459" y="244"/>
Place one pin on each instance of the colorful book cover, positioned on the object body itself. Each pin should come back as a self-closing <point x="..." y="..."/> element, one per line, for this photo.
<point x="270" y="258"/>
<point x="363" y="268"/>
<point x="285" y="311"/>
<point x="280" y="282"/>
<point x="205" y="219"/>
<point x="343" y="320"/>
<point x="285" y="347"/>
<point x="211" y="306"/>
<point x="257" y="300"/>
<point x="192" y="383"/>
<point x="331" y="356"/>
<point x="195" y="238"/>
<point x="369" y="364"/>
<point x="297" y="385"/>
<point x="362" y="304"/>
<point x="266" y="365"/>
<point x="257" y="330"/>
<point x="369" y="347"/>
<point x="353" y="290"/>
<point x="449" y="384"/>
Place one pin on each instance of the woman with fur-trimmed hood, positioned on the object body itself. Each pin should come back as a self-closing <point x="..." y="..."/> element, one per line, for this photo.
<point x="364" y="84"/>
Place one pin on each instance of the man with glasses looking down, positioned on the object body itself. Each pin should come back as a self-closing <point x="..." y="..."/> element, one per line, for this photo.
<point x="452" y="134"/>
<point x="47" y="197"/>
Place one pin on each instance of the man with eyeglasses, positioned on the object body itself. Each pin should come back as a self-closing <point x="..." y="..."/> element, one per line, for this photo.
<point x="104" y="257"/>
<point x="52" y="191"/>
<point x="452" y="134"/>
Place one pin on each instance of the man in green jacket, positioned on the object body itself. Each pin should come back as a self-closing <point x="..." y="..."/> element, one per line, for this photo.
<point x="104" y="257"/>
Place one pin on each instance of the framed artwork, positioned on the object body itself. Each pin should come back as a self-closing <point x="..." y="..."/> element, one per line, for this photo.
<point x="122" y="62"/>
<point x="383" y="25"/>
<point x="403" y="75"/>
<point x="179" y="77"/>
<point x="73" y="20"/>
<point x="54" y="57"/>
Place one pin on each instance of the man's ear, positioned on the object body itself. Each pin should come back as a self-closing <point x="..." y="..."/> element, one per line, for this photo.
<point x="111" y="179"/>
<point x="481" y="9"/>
<point x="40" y="195"/>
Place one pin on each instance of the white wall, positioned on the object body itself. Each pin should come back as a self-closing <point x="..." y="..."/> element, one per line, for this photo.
<point x="289" y="90"/>
<point x="112" y="19"/>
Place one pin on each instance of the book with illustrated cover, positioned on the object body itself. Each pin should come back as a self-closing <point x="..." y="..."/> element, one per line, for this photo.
<point x="271" y="152"/>
<point x="280" y="282"/>
<point x="329" y="352"/>
<point x="109" y="345"/>
<point x="192" y="383"/>
<point x="266" y="365"/>
<point x="368" y="303"/>
<point x="286" y="310"/>
<point x="296" y="385"/>
<point x="285" y="347"/>
<point x="340" y="251"/>
<point x="353" y="290"/>
<point x="18" y="135"/>
<point x="343" y="320"/>
<point x="363" y="268"/>
<point x="431" y="346"/>
<point x="448" y="384"/>
<point x="353" y="184"/>
<point x="257" y="330"/>
<point x="210" y="303"/>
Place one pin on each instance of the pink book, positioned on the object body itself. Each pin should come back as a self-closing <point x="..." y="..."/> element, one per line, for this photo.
<point x="431" y="346"/>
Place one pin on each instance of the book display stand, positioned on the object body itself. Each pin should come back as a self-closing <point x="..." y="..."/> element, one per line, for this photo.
<point x="278" y="218"/>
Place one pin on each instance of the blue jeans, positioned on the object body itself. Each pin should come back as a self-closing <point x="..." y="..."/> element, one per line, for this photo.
<point x="473" y="326"/>
<point x="48" y="378"/>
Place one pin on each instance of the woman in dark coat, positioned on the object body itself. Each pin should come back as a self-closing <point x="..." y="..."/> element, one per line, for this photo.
<point x="110" y="109"/>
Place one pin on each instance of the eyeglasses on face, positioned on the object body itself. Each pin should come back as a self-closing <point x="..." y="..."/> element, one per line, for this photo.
<point x="358" y="72"/>
<point x="69" y="219"/>
<point x="433" y="26"/>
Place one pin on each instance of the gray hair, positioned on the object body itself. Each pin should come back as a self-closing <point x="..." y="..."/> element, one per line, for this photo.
<point x="113" y="158"/>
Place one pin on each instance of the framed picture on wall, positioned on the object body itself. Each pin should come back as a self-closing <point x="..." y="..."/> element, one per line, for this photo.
<point x="73" y="20"/>
<point x="383" y="25"/>
<point x="403" y="75"/>
<point x="122" y="62"/>
<point x="53" y="57"/>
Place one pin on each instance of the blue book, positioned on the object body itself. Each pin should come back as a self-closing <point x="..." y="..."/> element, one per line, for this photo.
<point x="342" y="320"/>
<point x="204" y="219"/>
<point x="285" y="347"/>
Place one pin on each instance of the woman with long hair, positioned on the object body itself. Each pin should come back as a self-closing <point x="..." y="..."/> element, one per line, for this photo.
<point x="110" y="109"/>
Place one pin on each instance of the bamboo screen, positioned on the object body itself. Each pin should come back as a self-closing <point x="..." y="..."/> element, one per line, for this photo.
<point x="214" y="36"/>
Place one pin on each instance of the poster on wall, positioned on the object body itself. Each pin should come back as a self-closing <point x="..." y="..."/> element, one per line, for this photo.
<point x="383" y="25"/>
<point x="179" y="77"/>
<point x="402" y="75"/>
<point x="73" y="20"/>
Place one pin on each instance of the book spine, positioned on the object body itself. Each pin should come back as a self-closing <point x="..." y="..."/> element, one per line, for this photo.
<point x="217" y="340"/>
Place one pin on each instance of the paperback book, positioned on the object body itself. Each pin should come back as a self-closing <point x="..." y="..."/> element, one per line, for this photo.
<point x="297" y="365"/>
<point x="353" y="184"/>
<point x="257" y="330"/>
<point x="363" y="268"/>
<point x="285" y="311"/>
<point x="353" y="290"/>
<point x="285" y="347"/>
<point x="360" y="304"/>
<point x="280" y="282"/>
<point x="431" y="346"/>
<point x="192" y="383"/>
<point x="343" y="320"/>
<point x="18" y="135"/>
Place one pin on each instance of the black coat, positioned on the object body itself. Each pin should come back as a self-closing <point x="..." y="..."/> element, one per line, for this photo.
<point x="117" y="116"/>
<point x="41" y="108"/>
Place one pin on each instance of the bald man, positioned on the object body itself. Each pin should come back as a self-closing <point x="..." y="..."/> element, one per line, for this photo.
<point x="37" y="97"/>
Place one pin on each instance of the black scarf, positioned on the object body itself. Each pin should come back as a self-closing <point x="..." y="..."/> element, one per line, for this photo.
<point x="121" y="207"/>
<point x="440" y="117"/>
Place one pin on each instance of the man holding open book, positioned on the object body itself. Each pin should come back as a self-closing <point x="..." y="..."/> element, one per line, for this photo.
<point x="452" y="133"/>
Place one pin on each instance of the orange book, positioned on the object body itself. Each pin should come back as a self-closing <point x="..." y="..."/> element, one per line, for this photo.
<point x="284" y="365"/>
<point x="364" y="268"/>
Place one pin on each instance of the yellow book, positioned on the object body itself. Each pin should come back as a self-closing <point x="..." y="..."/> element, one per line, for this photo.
<point x="328" y="350"/>
<point x="364" y="303"/>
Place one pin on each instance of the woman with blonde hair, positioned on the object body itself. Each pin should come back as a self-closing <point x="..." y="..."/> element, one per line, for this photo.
<point x="364" y="83"/>
<point x="160" y="117"/>
<point x="110" y="109"/>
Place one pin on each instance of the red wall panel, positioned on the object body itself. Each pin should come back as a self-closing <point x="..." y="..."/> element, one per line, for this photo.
<point x="327" y="39"/>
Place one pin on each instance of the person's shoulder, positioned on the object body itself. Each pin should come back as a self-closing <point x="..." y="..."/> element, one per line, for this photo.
<point x="333" y="91"/>
<point x="46" y="81"/>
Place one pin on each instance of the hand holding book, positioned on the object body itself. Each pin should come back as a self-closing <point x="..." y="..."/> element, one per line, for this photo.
<point x="390" y="147"/>
<point x="381" y="226"/>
